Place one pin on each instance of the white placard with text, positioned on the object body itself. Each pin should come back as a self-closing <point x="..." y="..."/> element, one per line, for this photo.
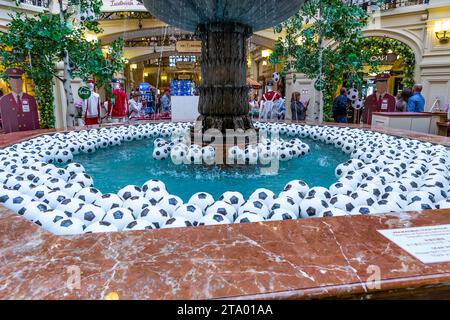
<point x="428" y="244"/>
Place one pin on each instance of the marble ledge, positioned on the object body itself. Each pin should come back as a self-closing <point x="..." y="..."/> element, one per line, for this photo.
<point x="297" y="259"/>
<point x="313" y="258"/>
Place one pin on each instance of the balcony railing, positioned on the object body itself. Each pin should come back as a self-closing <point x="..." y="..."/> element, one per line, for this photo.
<point x="36" y="3"/>
<point x="388" y="4"/>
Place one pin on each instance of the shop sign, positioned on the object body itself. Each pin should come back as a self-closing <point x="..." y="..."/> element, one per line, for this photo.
<point x="122" y="5"/>
<point x="189" y="46"/>
<point x="185" y="65"/>
<point x="184" y="77"/>
<point x="389" y="58"/>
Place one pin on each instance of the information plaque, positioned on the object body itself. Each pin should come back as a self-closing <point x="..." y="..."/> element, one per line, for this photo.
<point x="428" y="244"/>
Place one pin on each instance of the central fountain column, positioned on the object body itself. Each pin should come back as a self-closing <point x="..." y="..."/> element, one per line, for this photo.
<point x="223" y="92"/>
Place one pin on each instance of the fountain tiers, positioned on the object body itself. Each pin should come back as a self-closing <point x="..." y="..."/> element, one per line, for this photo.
<point x="224" y="27"/>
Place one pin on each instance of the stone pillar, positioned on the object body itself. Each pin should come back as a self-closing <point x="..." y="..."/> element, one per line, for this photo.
<point x="223" y="92"/>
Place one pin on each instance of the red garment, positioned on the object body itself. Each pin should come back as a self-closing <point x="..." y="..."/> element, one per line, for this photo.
<point x="268" y="96"/>
<point x="375" y="103"/>
<point x="19" y="115"/>
<point x="90" y="121"/>
<point x="120" y="107"/>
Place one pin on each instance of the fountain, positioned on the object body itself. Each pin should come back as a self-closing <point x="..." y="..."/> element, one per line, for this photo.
<point x="224" y="27"/>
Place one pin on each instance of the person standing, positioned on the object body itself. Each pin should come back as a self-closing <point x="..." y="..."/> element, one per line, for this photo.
<point x="380" y="100"/>
<point x="91" y="106"/>
<point x="253" y="105"/>
<point x="298" y="109"/>
<point x="18" y="109"/>
<point x="134" y="106"/>
<point x="417" y="102"/>
<point x="165" y="102"/>
<point x="402" y="101"/>
<point x="340" y="105"/>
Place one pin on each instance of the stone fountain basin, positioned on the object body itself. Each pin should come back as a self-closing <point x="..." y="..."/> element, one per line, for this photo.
<point x="284" y="259"/>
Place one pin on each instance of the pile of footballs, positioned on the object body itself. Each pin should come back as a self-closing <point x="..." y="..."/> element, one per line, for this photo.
<point x="385" y="174"/>
<point x="180" y="150"/>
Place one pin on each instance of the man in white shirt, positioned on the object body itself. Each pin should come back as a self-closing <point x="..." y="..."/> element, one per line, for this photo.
<point x="134" y="106"/>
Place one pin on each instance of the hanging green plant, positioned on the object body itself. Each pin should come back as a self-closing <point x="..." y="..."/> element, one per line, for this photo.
<point x="384" y="45"/>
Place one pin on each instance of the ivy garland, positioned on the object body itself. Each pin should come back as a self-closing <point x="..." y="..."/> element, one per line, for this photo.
<point x="377" y="46"/>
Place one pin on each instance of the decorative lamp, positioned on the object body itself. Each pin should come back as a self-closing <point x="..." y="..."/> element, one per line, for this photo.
<point x="442" y="31"/>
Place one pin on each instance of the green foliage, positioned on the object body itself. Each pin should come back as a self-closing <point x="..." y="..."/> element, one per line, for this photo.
<point x="381" y="46"/>
<point x="323" y="41"/>
<point x="37" y="43"/>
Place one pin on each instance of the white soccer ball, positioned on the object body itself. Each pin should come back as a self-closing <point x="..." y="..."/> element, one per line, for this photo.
<point x="213" y="219"/>
<point x="33" y="209"/>
<point x="170" y="203"/>
<point x="161" y="153"/>
<point x="386" y="206"/>
<point x="319" y="192"/>
<point x="89" y="214"/>
<point x="236" y="199"/>
<point x="312" y="207"/>
<point x="54" y="198"/>
<point x="177" y="222"/>
<point x="281" y="214"/>
<point x="419" y="206"/>
<point x="70" y="205"/>
<point x="209" y="155"/>
<point x="332" y="212"/>
<point x="47" y="218"/>
<point x="286" y="203"/>
<point x="55" y="183"/>
<point x="14" y="200"/>
<point x="155" y="194"/>
<point x="136" y="205"/>
<point x="276" y="77"/>
<point x="155" y="215"/>
<point x="178" y="154"/>
<point x="67" y="226"/>
<point x="120" y="217"/>
<point x="101" y="226"/>
<point x="342" y="202"/>
<point x="63" y="156"/>
<point x="82" y="178"/>
<point x="191" y="212"/>
<point x="264" y="195"/>
<point x="153" y="183"/>
<point x="249" y="217"/>
<point x="298" y="185"/>
<point x="109" y="201"/>
<point x="202" y="199"/>
<point x="421" y="196"/>
<point x="72" y="188"/>
<point x="363" y="210"/>
<point x="353" y="94"/>
<point x="223" y="208"/>
<point x="139" y="224"/>
<point x="130" y="191"/>
<point x="88" y="195"/>
<point x="254" y="206"/>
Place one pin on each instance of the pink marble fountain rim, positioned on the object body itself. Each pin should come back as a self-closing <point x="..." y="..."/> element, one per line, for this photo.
<point x="310" y="258"/>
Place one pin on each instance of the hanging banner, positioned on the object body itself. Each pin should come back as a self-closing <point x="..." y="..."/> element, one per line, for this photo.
<point x="189" y="46"/>
<point x="122" y="5"/>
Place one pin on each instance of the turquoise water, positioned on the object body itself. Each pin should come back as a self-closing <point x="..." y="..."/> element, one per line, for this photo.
<point x="132" y="163"/>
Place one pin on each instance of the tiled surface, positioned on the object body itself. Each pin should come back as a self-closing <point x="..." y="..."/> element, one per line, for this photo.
<point x="312" y="258"/>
